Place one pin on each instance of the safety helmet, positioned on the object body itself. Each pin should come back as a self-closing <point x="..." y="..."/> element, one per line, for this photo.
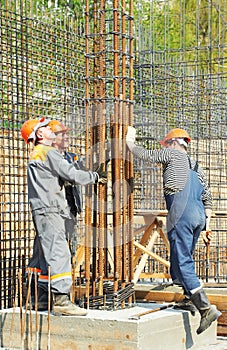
<point x="29" y="128"/>
<point x="175" y="134"/>
<point x="57" y="127"/>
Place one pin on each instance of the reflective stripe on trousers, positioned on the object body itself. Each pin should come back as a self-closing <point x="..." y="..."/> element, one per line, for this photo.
<point x="186" y="219"/>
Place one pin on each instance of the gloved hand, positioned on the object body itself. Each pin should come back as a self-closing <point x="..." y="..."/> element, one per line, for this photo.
<point x="131" y="134"/>
<point x="102" y="174"/>
<point x="207" y="236"/>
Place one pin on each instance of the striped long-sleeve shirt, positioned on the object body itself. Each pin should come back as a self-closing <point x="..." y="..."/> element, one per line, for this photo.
<point x="176" y="165"/>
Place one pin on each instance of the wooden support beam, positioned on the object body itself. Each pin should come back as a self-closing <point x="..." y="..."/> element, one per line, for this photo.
<point x="143" y="260"/>
<point x="220" y="300"/>
<point x="143" y="241"/>
<point x="159" y="275"/>
<point x="140" y="229"/>
<point x="153" y="255"/>
<point x="164" y="238"/>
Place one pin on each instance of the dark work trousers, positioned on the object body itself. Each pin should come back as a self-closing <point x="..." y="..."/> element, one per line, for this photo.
<point x="186" y="219"/>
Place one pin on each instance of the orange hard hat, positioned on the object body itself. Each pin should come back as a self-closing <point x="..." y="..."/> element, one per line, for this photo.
<point x="30" y="127"/>
<point x="27" y="128"/>
<point x="57" y="127"/>
<point x="175" y="134"/>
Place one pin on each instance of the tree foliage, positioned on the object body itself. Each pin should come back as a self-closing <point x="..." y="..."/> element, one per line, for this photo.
<point x="197" y="28"/>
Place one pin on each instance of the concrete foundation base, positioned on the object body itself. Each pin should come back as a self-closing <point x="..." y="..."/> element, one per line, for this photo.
<point x="105" y="330"/>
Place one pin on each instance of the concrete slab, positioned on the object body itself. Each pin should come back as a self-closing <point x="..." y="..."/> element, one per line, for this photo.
<point x="105" y="330"/>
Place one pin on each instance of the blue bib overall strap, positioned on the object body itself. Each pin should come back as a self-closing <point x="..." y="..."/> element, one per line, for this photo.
<point x="186" y="219"/>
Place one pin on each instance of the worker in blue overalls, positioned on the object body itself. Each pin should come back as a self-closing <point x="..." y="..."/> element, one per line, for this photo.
<point x="189" y="203"/>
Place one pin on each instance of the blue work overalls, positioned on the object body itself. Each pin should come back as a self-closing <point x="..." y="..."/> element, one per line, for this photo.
<point x="186" y="219"/>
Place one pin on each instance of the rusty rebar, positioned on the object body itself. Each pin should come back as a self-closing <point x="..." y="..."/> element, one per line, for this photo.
<point x="124" y="121"/>
<point x="116" y="162"/>
<point x="42" y="74"/>
<point x="130" y="174"/>
<point x="101" y="138"/>
<point x="94" y="124"/>
<point x="88" y="198"/>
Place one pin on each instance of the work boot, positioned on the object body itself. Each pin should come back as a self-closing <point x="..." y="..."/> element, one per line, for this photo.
<point x="63" y="306"/>
<point x="208" y="312"/>
<point x="186" y="304"/>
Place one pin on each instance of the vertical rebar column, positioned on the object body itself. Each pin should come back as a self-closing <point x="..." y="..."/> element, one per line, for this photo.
<point x="124" y="118"/>
<point x="101" y="146"/>
<point x="88" y="198"/>
<point x="95" y="140"/>
<point x="115" y="136"/>
<point x="8" y="170"/>
<point x="130" y="174"/>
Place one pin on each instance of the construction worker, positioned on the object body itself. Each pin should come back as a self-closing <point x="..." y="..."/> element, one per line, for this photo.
<point x="189" y="204"/>
<point x="73" y="191"/>
<point x="47" y="171"/>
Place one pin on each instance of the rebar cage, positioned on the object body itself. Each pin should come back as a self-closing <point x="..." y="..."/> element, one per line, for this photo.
<point x="153" y="65"/>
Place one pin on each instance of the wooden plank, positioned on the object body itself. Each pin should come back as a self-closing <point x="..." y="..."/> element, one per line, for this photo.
<point x="219" y="300"/>
<point x="163" y="213"/>
<point x="153" y="255"/>
<point x="157" y="295"/>
<point x="223" y="318"/>
<point x="164" y="238"/>
<point x="143" y="241"/>
<point x="143" y="260"/>
<point x="222" y="331"/>
<point x="160" y="275"/>
<point x="151" y="212"/>
<point x="140" y="229"/>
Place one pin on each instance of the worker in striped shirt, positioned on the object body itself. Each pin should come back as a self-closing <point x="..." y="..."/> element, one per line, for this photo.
<point x="189" y="204"/>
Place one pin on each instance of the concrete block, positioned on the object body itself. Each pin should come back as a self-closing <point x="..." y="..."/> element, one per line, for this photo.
<point x="104" y="330"/>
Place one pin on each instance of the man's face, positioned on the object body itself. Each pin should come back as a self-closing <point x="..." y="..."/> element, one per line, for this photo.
<point x="61" y="141"/>
<point x="45" y="134"/>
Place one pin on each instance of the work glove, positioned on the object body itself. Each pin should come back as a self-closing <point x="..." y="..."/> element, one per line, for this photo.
<point x="207" y="236"/>
<point x="102" y="175"/>
<point x="131" y="134"/>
